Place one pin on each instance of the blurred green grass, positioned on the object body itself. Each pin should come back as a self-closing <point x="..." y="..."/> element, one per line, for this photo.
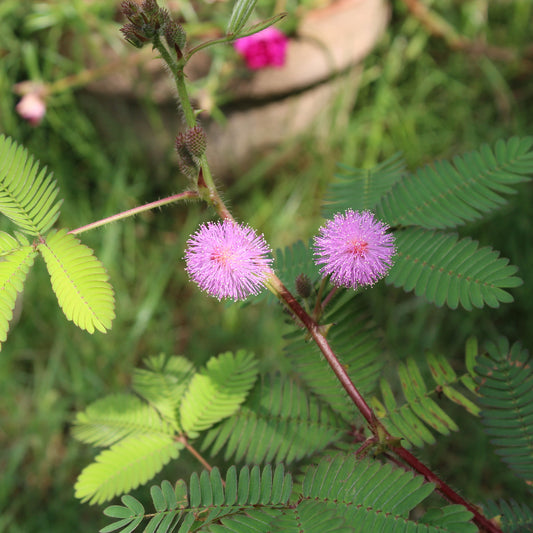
<point x="417" y="96"/>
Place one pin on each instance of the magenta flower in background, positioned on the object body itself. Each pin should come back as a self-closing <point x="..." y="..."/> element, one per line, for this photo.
<point x="228" y="260"/>
<point x="266" y="48"/>
<point x="32" y="108"/>
<point x="354" y="249"/>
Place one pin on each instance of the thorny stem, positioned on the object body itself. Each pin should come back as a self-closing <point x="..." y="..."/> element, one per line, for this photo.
<point x="206" y="185"/>
<point x="375" y="425"/>
<point x="136" y="210"/>
<point x="444" y="489"/>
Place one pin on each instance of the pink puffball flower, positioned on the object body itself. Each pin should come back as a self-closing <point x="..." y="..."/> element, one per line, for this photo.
<point x="228" y="260"/>
<point x="31" y="108"/>
<point x="265" y="48"/>
<point x="354" y="249"/>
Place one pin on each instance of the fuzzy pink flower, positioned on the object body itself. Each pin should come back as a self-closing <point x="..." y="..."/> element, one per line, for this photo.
<point x="354" y="249"/>
<point x="31" y="108"/>
<point x="263" y="49"/>
<point x="228" y="260"/>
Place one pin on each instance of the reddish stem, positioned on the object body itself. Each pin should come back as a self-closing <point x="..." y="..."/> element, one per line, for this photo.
<point x="375" y="425"/>
<point x="186" y="195"/>
<point x="445" y="489"/>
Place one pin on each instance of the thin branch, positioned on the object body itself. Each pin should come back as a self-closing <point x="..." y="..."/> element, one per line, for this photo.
<point x="439" y="27"/>
<point x="187" y="195"/>
<point x="445" y="489"/>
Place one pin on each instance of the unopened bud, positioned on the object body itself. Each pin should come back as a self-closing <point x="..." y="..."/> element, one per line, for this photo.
<point x="150" y="7"/>
<point x="303" y="285"/>
<point x="129" y="8"/>
<point x="186" y="161"/>
<point x="196" y="141"/>
<point x="175" y="35"/>
<point x="133" y="36"/>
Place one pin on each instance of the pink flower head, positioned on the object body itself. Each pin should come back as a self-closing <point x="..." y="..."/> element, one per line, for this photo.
<point x="263" y="49"/>
<point x="354" y="249"/>
<point x="228" y="260"/>
<point x="31" y="108"/>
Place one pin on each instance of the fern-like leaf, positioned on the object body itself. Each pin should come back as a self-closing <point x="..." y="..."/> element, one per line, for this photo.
<point x="361" y="189"/>
<point x="79" y="281"/>
<point x="207" y="500"/>
<point x="27" y="195"/>
<point x="452" y="518"/>
<point x="163" y="384"/>
<point x="506" y="389"/>
<point x="447" y="271"/>
<point x="354" y="338"/>
<point x="512" y="517"/>
<point x="278" y="422"/>
<point x="116" y="417"/>
<point x="445" y="195"/>
<point x="123" y="467"/>
<point x="15" y="262"/>
<point x="369" y="484"/>
<point x="217" y="391"/>
<point x="413" y="420"/>
<point x="371" y="496"/>
<point x="131" y="515"/>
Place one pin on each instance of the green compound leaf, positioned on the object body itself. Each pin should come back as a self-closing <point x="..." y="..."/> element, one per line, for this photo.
<point x="126" y="465"/>
<point x="421" y="413"/>
<point x="163" y="384"/>
<point x="367" y="484"/>
<point x="445" y="195"/>
<point x="27" y="195"/>
<point x="505" y="376"/>
<point x="15" y="262"/>
<point x="218" y="390"/>
<point x="116" y="417"/>
<point x="362" y="189"/>
<point x="208" y="501"/>
<point x="278" y="422"/>
<point x="79" y="281"/>
<point x="445" y="270"/>
<point x="452" y="518"/>
<point x="371" y="496"/>
<point x="131" y="515"/>
<point x="512" y="516"/>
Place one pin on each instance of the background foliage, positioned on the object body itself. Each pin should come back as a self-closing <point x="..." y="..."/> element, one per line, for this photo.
<point x="418" y="96"/>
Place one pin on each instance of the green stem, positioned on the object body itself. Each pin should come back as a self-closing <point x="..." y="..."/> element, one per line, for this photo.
<point x="136" y="210"/>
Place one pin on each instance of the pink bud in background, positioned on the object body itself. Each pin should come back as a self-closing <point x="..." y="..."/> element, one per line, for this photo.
<point x="266" y="48"/>
<point x="31" y="108"/>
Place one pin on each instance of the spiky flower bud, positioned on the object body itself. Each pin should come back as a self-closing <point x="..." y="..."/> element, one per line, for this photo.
<point x="150" y="7"/>
<point x="129" y="8"/>
<point x="175" y="35"/>
<point x="303" y="285"/>
<point x="133" y="36"/>
<point x="186" y="162"/>
<point x="145" y="21"/>
<point x="196" y="141"/>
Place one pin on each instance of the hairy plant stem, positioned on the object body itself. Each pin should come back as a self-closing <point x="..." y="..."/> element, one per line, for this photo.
<point x="377" y="428"/>
<point x="186" y="195"/>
